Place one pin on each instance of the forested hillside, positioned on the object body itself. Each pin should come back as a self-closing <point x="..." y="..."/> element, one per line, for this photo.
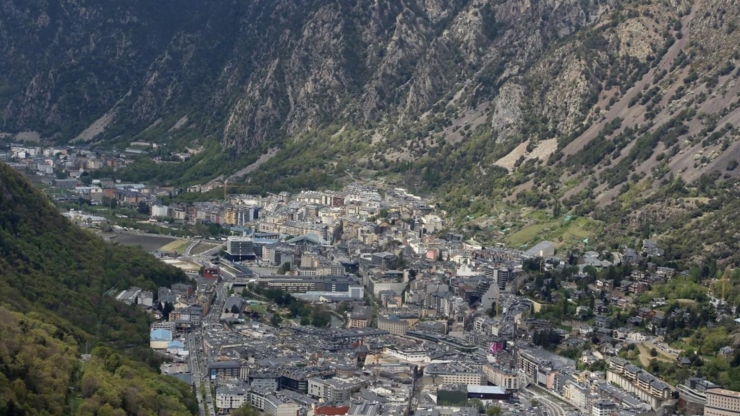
<point x="52" y="279"/>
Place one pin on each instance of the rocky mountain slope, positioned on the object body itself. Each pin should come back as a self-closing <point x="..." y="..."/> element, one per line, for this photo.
<point x="536" y="99"/>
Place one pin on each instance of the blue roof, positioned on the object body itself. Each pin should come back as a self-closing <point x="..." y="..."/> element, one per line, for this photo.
<point x="176" y="344"/>
<point x="161" y="335"/>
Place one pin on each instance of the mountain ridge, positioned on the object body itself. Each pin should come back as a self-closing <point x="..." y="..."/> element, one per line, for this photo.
<point x="428" y="91"/>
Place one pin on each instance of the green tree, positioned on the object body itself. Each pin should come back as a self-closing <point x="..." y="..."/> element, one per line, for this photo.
<point x="478" y="405"/>
<point x="168" y="307"/>
<point x="494" y="411"/>
<point x="85" y="179"/>
<point x="143" y="208"/>
<point x="245" y="410"/>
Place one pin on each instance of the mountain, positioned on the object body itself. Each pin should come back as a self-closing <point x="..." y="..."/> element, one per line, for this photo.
<point x="53" y="277"/>
<point x="535" y="100"/>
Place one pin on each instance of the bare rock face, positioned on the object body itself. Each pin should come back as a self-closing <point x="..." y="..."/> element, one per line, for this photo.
<point x="246" y="72"/>
<point x="507" y="112"/>
<point x="419" y="73"/>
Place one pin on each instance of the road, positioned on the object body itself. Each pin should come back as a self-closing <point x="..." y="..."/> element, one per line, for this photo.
<point x="200" y="257"/>
<point x="198" y="360"/>
<point x="553" y="407"/>
<point x="195" y="369"/>
<point x="191" y="246"/>
<point x="212" y="318"/>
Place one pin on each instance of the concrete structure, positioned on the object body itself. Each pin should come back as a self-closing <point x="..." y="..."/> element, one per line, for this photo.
<point x="721" y="402"/>
<point x="393" y="325"/>
<point x="239" y="248"/>
<point x="381" y="283"/>
<point x="639" y="382"/>
<point x="160" y="338"/>
<point x="274" y="404"/>
<point x="693" y="393"/>
<point x="454" y="373"/>
<point x="576" y="394"/>
<point x="159" y="211"/>
<point x="231" y="397"/>
<point x="360" y="317"/>
<point x="505" y="378"/>
<point x="602" y="408"/>
<point x="333" y="390"/>
<point x="413" y="355"/>
<point x="229" y="369"/>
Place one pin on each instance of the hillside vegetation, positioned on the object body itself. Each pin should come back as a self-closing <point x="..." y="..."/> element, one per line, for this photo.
<point x="53" y="277"/>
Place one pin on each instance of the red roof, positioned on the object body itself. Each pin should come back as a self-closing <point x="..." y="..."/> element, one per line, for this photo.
<point x="332" y="410"/>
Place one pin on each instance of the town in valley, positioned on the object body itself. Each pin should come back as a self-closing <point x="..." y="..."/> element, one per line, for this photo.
<point x="368" y="301"/>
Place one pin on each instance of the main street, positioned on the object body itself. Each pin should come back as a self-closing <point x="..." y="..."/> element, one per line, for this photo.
<point x="199" y="360"/>
<point x="211" y="318"/>
<point x="195" y="369"/>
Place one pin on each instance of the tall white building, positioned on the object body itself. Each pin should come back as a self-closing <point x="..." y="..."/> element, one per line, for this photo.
<point x="231" y="397"/>
<point x="160" y="211"/>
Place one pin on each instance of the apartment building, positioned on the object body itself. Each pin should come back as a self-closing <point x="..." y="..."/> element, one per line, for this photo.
<point x="503" y="377"/>
<point x="231" y="397"/>
<point x="394" y="326"/>
<point x="455" y="373"/>
<point x="603" y="408"/>
<point x="721" y="402"/>
<point x="332" y="390"/>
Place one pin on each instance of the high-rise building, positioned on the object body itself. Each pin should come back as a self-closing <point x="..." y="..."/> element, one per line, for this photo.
<point x="602" y="408"/>
<point x="240" y="248"/>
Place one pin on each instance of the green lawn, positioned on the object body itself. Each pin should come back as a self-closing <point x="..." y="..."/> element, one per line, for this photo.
<point x="564" y="235"/>
<point x="178" y="246"/>
<point x="202" y="247"/>
<point x="527" y="234"/>
<point x="260" y="308"/>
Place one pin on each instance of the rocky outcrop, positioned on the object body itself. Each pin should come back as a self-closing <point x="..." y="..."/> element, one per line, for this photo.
<point x="421" y="74"/>
<point x="246" y="72"/>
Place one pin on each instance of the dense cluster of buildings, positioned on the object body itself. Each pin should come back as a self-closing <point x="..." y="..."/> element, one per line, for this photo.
<point x="430" y="320"/>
